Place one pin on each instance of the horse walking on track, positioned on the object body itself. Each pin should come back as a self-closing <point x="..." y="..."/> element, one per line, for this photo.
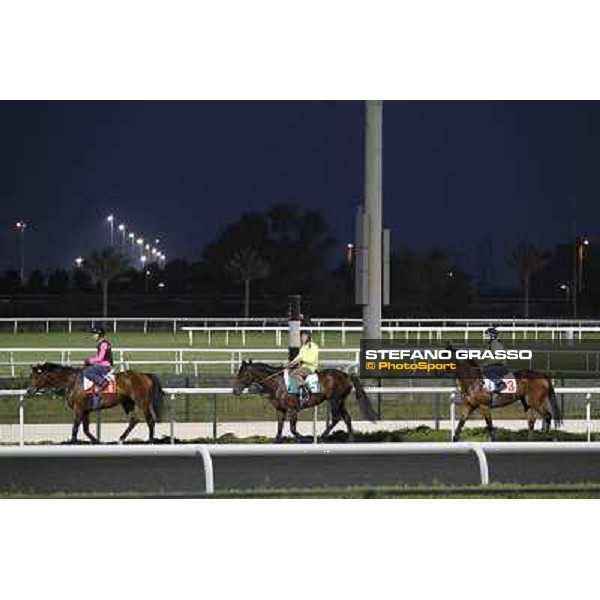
<point x="134" y="391"/>
<point x="533" y="389"/>
<point x="335" y="386"/>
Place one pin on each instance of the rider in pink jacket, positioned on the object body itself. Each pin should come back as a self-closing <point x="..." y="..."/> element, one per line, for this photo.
<point x="98" y="366"/>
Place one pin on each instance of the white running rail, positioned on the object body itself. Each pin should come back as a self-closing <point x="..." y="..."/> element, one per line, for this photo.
<point x="451" y="392"/>
<point x="206" y="452"/>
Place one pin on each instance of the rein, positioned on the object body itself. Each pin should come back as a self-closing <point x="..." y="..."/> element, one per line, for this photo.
<point x="272" y="375"/>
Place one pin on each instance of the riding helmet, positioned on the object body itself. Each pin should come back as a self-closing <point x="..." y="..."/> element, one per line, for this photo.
<point x="98" y="330"/>
<point x="491" y="332"/>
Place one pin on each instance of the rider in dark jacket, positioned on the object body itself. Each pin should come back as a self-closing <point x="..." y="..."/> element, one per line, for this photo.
<point x="494" y="369"/>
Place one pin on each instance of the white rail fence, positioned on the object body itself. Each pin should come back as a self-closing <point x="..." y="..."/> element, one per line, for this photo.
<point x="452" y="396"/>
<point x="180" y="356"/>
<point x="422" y="328"/>
<point x="206" y="452"/>
<point x="347" y="356"/>
<point x="419" y="332"/>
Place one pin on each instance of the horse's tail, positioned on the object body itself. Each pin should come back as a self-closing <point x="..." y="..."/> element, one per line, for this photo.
<point x="556" y="414"/>
<point x="366" y="409"/>
<point x="157" y="398"/>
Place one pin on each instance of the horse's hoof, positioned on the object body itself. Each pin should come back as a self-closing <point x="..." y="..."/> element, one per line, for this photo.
<point x="278" y="441"/>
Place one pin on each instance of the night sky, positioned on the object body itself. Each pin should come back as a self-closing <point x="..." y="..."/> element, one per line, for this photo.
<point x="455" y="173"/>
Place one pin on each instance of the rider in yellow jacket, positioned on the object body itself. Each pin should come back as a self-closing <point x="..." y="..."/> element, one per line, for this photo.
<point x="305" y="363"/>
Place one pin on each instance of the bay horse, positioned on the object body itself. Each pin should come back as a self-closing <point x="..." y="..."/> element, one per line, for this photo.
<point x="534" y="390"/>
<point x="135" y="392"/>
<point x="335" y="387"/>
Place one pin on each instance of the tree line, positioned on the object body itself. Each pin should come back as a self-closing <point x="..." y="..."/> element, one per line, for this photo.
<point x="265" y="256"/>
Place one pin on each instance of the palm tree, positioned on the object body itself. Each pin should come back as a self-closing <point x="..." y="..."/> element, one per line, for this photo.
<point x="526" y="259"/>
<point x="104" y="265"/>
<point x="246" y="265"/>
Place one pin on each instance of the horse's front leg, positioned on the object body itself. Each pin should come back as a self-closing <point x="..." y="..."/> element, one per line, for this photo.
<point x="280" y="422"/>
<point x="294" y="424"/>
<point x="465" y="410"/>
<point x="77" y="418"/>
<point x="85" y="419"/>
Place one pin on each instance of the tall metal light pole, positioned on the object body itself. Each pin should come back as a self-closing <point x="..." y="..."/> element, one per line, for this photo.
<point x="111" y="220"/>
<point x="140" y="243"/>
<point x="122" y="229"/>
<point x="373" y="214"/>
<point x="132" y="240"/>
<point x="21" y="227"/>
<point x="577" y="283"/>
<point x="349" y="253"/>
<point x="294" y="322"/>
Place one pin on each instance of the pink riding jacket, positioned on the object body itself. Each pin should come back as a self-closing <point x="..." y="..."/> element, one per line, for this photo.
<point x="102" y="355"/>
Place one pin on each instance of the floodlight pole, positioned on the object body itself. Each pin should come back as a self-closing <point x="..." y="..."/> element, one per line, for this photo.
<point x="294" y="320"/>
<point x="373" y="212"/>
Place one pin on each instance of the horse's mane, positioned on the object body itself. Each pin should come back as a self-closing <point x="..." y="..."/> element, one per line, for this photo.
<point x="269" y="368"/>
<point x="50" y="367"/>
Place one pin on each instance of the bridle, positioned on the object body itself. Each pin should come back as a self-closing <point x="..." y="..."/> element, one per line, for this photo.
<point x="53" y="389"/>
<point x="259" y="383"/>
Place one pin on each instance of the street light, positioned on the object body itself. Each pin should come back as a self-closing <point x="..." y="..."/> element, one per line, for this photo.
<point x="580" y="255"/>
<point x="79" y="262"/>
<point x="349" y="252"/>
<point x="111" y="220"/>
<point x="566" y="289"/>
<point x="21" y="227"/>
<point x="132" y="240"/>
<point x="122" y="229"/>
<point x="140" y="243"/>
<point x="577" y="281"/>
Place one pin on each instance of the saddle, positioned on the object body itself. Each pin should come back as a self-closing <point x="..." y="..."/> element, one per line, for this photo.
<point x="109" y="387"/>
<point x="311" y="382"/>
<point x="509" y="387"/>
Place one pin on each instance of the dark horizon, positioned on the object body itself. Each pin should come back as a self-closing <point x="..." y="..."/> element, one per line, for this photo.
<point x="457" y="174"/>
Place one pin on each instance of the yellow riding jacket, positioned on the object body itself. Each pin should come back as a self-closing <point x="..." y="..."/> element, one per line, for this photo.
<point x="308" y="356"/>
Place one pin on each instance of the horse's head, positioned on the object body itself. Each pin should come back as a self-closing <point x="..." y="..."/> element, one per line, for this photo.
<point x="45" y="378"/>
<point x="245" y="377"/>
<point x="251" y="375"/>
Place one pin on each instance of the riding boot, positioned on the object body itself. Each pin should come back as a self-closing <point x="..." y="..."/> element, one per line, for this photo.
<point x="303" y="395"/>
<point x="95" y="401"/>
